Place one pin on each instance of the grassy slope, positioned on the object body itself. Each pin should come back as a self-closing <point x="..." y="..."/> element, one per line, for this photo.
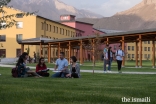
<point x="90" y="89"/>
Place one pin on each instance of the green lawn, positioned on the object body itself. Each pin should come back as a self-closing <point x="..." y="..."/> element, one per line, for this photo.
<point x="90" y="89"/>
<point x="147" y="66"/>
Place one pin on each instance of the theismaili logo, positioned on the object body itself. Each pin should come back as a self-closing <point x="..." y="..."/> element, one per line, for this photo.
<point x="134" y="99"/>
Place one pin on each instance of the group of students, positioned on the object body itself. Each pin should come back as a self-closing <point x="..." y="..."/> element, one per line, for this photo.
<point x="61" y="68"/>
<point x="109" y="56"/>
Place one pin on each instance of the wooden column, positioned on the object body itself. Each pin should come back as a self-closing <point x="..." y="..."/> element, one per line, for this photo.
<point x="58" y="52"/>
<point x="69" y="52"/>
<point x="41" y="50"/>
<point x="136" y="54"/>
<point x="107" y="41"/>
<point x="54" y="54"/>
<point x="22" y="48"/>
<point x="140" y="42"/>
<point x="123" y="48"/>
<point x="153" y="54"/>
<point x="81" y="58"/>
<point x="93" y="54"/>
<point x="49" y="53"/>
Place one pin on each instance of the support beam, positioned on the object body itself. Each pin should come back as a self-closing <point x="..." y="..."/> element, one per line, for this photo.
<point x="107" y="41"/>
<point x="49" y="53"/>
<point x="69" y="52"/>
<point x="22" y="48"/>
<point x="153" y="54"/>
<point x="41" y="51"/>
<point x="81" y="58"/>
<point x="93" y="55"/>
<point x="140" y="42"/>
<point x="54" y="54"/>
<point x="123" y="48"/>
<point x="136" y="54"/>
<point x="58" y="52"/>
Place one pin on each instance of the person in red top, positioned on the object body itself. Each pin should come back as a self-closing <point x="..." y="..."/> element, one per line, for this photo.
<point x="41" y="68"/>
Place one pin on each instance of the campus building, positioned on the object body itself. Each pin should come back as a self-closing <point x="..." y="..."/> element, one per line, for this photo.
<point x="147" y="50"/>
<point x="31" y="27"/>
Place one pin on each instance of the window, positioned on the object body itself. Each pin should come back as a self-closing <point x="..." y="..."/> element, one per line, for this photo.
<point x="71" y="33"/>
<point x="129" y="48"/>
<point x="68" y="33"/>
<point x="42" y="25"/>
<point x="129" y="56"/>
<point x="3" y="53"/>
<point x="132" y="48"/>
<point x="149" y="56"/>
<point x="138" y="55"/>
<point x="19" y="25"/>
<point x="145" y="55"/>
<point x="145" y="48"/>
<point x="19" y="15"/>
<point x="2" y="38"/>
<point x="3" y="25"/>
<point x="54" y="29"/>
<point x="45" y="52"/>
<point x="145" y="42"/>
<point x="60" y="31"/>
<point x="42" y="36"/>
<point x="19" y="37"/>
<point x="50" y="37"/>
<point x="132" y="55"/>
<point x="114" y="47"/>
<point x="148" y="42"/>
<point x="148" y="48"/>
<point x="18" y="52"/>
<point x="47" y="27"/>
<point x="50" y="28"/>
<point x="138" y="48"/>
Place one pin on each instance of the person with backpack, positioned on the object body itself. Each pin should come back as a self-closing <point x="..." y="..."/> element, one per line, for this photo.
<point x="41" y="68"/>
<point x="119" y="57"/>
<point x="22" y="70"/>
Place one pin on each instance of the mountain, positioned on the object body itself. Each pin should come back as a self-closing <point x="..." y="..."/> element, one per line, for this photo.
<point x="51" y="9"/>
<point x="141" y="16"/>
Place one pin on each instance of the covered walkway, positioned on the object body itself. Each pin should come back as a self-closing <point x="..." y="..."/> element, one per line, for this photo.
<point x="74" y="44"/>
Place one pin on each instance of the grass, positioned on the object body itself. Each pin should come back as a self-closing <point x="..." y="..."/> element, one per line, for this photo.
<point x="90" y="89"/>
<point x="147" y="66"/>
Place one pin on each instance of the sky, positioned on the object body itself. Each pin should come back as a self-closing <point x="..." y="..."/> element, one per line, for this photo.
<point x="104" y="7"/>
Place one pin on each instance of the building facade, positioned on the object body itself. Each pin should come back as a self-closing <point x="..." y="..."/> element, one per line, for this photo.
<point x="31" y="27"/>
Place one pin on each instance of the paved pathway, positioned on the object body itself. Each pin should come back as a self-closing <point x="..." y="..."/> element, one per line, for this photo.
<point x="89" y="71"/>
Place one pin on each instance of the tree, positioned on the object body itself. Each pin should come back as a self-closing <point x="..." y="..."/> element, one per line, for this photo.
<point x="7" y="21"/>
<point x="93" y="46"/>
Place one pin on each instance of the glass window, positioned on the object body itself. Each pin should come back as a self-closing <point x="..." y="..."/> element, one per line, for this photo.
<point x="2" y="38"/>
<point x="50" y="28"/>
<point x="149" y="56"/>
<point x="54" y="29"/>
<point x="62" y="31"/>
<point x="129" y="48"/>
<point x="132" y="48"/>
<point x="145" y="42"/>
<point x="19" y="37"/>
<point x="19" y="15"/>
<point x="3" y="53"/>
<point x="42" y="25"/>
<point x="47" y="27"/>
<point x="132" y="55"/>
<point x="145" y="48"/>
<point x="19" y="25"/>
<point x="148" y="42"/>
<point x="129" y="56"/>
<point x="145" y="55"/>
<point x="114" y="47"/>
<point x="148" y="48"/>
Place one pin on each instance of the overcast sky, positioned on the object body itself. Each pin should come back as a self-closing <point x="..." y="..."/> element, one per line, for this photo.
<point x="103" y="7"/>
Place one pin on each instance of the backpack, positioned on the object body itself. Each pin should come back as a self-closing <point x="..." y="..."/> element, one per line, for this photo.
<point x="122" y="52"/>
<point x="14" y="72"/>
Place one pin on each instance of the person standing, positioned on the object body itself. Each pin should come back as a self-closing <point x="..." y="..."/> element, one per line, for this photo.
<point x="105" y="59"/>
<point x="110" y="58"/>
<point x="34" y="57"/>
<point x="62" y="66"/>
<point x="119" y="57"/>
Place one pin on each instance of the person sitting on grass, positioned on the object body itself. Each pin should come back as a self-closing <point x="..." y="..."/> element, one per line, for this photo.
<point x="24" y="71"/>
<point x="61" y="66"/>
<point x="41" y="68"/>
<point x="74" y="68"/>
